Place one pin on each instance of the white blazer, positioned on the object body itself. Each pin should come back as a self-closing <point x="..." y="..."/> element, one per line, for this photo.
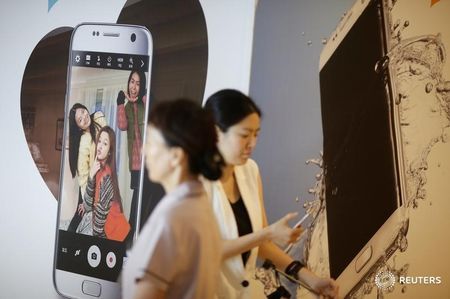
<point x="233" y="272"/>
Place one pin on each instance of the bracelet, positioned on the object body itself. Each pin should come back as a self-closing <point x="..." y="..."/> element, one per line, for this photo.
<point x="293" y="268"/>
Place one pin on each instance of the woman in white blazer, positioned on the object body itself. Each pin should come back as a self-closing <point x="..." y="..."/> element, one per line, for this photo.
<point x="237" y="200"/>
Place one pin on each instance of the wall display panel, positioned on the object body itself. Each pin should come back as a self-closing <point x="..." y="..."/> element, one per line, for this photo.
<point x="34" y="79"/>
<point x="416" y="67"/>
<point x="412" y="53"/>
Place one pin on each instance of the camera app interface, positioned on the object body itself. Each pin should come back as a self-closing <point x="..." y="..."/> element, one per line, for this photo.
<point x="104" y="131"/>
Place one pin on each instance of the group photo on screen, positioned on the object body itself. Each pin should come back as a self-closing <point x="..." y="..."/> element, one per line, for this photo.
<point x="103" y="139"/>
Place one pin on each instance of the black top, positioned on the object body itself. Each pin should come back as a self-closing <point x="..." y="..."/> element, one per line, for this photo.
<point x="243" y="222"/>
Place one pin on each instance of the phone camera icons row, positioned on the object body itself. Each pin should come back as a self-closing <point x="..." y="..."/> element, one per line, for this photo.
<point x="94" y="257"/>
<point x="108" y="61"/>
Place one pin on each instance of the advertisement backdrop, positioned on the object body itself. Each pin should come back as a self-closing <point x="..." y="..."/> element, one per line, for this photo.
<point x="285" y="83"/>
<point x="28" y="226"/>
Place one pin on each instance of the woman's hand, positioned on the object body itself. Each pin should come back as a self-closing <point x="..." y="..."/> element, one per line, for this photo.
<point x="282" y="234"/>
<point x="95" y="167"/>
<point x="129" y="98"/>
<point x="81" y="209"/>
<point x="326" y="287"/>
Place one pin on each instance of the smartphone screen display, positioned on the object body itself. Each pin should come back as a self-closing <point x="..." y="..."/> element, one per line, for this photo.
<point x="106" y="110"/>
<point x="359" y="153"/>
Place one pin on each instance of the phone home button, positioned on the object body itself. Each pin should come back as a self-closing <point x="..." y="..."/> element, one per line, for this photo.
<point x="91" y="288"/>
<point x="363" y="258"/>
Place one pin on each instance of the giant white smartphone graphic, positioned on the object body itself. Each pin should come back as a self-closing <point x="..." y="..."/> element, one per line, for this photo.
<point x="106" y="107"/>
<point x="363" y="164"/>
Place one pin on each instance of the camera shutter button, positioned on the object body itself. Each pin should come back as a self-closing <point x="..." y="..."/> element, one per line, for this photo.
<point x="94" y="256"/>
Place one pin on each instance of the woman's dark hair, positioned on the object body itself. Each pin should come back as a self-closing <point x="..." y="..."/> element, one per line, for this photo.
<point x="185" y="124"/>
<point x="111" y="161"/>
<point x="75" y="135"/>
<point x="229" y="107"/>
<point x="142" y="83"/>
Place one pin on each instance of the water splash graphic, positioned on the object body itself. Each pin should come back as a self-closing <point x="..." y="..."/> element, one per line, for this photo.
<point x="422" y="94"/>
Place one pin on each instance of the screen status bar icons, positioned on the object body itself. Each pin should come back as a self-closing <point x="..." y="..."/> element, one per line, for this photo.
<point x="116" y="61"/>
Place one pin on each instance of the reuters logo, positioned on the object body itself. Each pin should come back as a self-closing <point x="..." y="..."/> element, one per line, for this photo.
<point x="384" y="279"/>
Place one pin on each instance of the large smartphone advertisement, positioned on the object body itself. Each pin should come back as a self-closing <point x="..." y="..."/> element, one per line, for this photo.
<point x="101" y="170"/>
<point x="385" y="112"/>
<point x="189" y="62"/>
<point x="361" y="182"/>
<point x="384" y="102"/>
